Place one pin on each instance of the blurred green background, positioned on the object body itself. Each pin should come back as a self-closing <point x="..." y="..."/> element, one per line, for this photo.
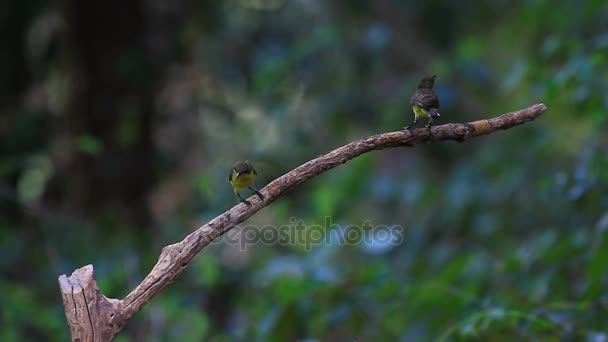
<point x="119" y="121"/>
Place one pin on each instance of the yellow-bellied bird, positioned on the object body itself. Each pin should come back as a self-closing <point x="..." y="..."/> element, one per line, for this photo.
<point x="425" y="102"/>
<point x="241" y="177"/>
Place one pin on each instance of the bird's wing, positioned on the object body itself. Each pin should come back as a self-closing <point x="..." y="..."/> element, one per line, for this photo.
<point x="425" y="100"/>
<point x="230" y="175"/>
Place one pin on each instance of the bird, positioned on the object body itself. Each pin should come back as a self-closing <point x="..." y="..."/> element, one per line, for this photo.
<point x="425" y="102"/>
<point x="241" y="177"/>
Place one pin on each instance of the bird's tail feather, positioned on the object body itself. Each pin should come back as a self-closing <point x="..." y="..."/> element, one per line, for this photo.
<point x="434" y="113"/>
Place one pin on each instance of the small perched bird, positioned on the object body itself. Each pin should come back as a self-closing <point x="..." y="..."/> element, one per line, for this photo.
<point x="241" y="177"/>
<point x="425" y="102"/>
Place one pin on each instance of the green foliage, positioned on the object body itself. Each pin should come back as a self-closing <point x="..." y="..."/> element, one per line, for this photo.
<point x="89" y="144"/>
<point x="497" y="322"/>
<point x="112" y="147"/>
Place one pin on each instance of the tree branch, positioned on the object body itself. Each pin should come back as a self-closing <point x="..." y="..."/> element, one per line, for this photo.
<point x="93" y="317"/>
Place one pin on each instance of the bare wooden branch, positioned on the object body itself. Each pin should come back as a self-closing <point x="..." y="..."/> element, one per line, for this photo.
<point x="93" y="317"/>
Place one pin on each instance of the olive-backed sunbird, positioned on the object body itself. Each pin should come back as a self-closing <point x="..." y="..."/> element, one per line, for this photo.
<point x="425" y="102"/>
<point x="241" y="177"/>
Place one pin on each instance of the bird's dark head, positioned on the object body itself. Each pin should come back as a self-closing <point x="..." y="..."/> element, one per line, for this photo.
<point x="427" y="82"/>
<point x="243" y="167"/>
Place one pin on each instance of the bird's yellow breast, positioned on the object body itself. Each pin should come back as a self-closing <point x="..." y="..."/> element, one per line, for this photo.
<point x="419" y="112"/>
<point x="243" y="181"/>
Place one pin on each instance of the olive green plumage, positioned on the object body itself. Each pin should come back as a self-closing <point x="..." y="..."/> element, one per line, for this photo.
<point x="242" y="177"/>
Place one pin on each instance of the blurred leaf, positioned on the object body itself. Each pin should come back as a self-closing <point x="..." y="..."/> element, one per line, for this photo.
<point x="287" y="289"/>
<point x="33" y="180"/>
<point x="89" y="144"/>
<point x="207" y="271"/>
<point x="597" y="272"/>
<point x="129" y="131"/>
<point x="470" y="49"/>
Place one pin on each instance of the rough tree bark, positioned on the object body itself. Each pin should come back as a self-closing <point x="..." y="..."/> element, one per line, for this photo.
<point x="93" y="317"/>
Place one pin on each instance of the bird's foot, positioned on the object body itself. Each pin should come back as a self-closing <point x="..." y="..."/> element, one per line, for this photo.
<point x="246" y="202"/>
<point x="407" y="128"/>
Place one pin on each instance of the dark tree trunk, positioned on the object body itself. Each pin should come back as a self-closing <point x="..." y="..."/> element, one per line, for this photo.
<point x="114" y="79"/>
